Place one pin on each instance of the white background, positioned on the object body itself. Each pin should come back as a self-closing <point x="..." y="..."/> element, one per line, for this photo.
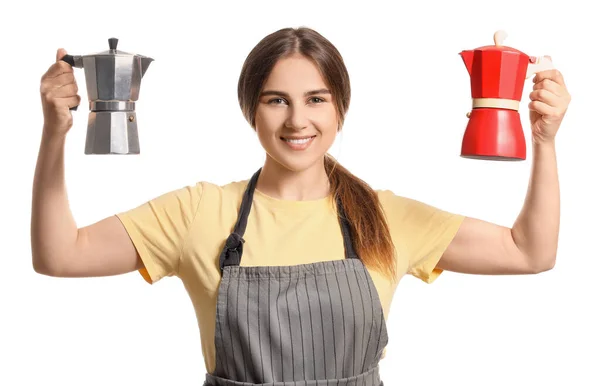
<point x="410" y="94"/>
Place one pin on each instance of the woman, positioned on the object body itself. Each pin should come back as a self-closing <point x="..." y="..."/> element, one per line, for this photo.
<point x="292" y="271"/>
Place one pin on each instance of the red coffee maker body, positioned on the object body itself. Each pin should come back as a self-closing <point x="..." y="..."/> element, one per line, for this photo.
<point x="498" y="73"/>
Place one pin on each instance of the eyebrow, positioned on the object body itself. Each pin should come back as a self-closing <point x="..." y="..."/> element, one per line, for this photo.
<point x="308" y="93"/>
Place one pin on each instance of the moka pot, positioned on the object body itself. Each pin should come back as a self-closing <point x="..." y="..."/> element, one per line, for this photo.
<point x="112" y="81"/>
<point x="497" y="74"/>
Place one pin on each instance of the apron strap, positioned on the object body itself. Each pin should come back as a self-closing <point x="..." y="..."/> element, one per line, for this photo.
<point x="234" y="245"/>
<point x="346" y="232"/>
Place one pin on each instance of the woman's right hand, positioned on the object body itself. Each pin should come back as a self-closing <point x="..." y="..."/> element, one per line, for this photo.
<point x="58" y="90"/>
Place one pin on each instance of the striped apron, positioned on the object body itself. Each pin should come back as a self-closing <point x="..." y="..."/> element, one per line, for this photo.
<point x="313" y="324"/>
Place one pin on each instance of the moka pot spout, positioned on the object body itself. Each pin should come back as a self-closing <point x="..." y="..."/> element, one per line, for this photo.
<point x="467" y="57"/>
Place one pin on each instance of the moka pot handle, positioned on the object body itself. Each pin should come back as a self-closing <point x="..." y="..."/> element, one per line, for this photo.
<point x="538" y="64"/>
<point x="71" y="60"/>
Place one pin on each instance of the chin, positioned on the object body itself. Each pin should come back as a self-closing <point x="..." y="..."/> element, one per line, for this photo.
<point x="297" y="163"/>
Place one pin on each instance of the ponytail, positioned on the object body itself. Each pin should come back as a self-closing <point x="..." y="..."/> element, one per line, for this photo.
<point x="372" y="239"/>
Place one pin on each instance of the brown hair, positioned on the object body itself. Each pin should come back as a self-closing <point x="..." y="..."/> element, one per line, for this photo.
<point x="360" y="202"/>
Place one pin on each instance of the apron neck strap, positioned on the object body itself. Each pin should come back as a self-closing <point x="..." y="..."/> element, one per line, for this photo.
<point x="232" y="251"/>
<point x="244" y="212"/>
<point x="346" y="231"/>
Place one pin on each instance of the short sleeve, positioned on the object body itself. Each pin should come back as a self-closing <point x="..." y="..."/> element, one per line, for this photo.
<point x="158" y="229"/>
<point x="421" y="233"/>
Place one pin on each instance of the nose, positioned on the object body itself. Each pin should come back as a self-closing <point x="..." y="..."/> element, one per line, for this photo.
<point x="297" y="118"/>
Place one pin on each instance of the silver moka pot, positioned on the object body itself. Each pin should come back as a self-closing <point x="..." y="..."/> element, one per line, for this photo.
<point x="113" y="85"/>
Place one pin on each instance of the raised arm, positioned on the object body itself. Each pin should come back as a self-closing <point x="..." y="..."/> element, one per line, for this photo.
<point x="58" y="247"/>
<point x="530" y="246"/>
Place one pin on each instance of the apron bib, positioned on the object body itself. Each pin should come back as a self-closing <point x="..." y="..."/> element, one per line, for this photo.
<point x="315" y="324"/>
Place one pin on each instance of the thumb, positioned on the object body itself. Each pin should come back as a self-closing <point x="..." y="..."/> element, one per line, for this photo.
<point x="60" y="53"/>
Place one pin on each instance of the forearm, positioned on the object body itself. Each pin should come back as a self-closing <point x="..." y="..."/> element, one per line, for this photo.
<point x="536" y="229"/>
<point x="53" y="229"/>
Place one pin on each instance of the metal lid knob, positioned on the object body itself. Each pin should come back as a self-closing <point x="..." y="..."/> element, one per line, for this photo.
<point x="112" y="43"/>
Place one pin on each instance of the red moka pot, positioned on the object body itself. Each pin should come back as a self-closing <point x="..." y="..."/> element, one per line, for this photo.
<point x="498" y="73"/>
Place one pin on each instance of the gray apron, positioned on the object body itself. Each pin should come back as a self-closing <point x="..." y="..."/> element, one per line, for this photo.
<point x="316" y="324"/>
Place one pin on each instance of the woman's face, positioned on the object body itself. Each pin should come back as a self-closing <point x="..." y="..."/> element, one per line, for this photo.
<point x="296" y="119"/>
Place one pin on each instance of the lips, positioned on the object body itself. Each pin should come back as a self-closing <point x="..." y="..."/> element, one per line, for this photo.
<point x="298" y="138"/>
<point x="298" y="142"/>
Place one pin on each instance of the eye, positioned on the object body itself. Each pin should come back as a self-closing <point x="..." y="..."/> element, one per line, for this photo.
<point x="275" y="100"/>
<point x="318" y="100"/>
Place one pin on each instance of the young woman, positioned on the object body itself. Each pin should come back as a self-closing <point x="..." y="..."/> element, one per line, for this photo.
<point x="291" y="271"/>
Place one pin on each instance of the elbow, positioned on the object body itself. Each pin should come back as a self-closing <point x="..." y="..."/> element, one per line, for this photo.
<point x="543" y="265"/>
<point x="43" y="266"/>
<point x="40" y="267"/>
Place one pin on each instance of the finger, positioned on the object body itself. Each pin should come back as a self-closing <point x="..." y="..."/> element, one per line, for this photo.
<point x="545" y="96"/>
<point x="542" y="108"/>
<point x="60" y="53"/>
<point x="553" y="74"/>
<point x="58" y="81"/>
<point x="550" y="85"/>
<point x="57" y="69"/>
<point x="70" y="101"/>
<point x="65" y="91"/>
<point x="73" y="101"/>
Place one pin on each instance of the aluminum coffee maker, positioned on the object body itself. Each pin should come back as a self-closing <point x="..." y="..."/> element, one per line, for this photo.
<point x="112" y="80"/>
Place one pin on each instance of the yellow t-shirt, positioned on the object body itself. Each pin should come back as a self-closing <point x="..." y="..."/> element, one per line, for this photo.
<point x="181" y="233"/>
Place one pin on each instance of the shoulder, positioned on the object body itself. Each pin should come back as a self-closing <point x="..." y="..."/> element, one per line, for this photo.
<point x="399" y="205"/>
<point x="388" y="197"/>
<point x="192" y="196"/>
<point x="220" y="201"/>
<point x="405" y="214"/>
<point x="227" y="192"/>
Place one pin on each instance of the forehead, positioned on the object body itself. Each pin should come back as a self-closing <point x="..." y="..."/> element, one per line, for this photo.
<point x="295" y="73"/>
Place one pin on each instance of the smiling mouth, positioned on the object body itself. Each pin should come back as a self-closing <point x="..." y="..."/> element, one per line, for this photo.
<point x="298" y="140"/>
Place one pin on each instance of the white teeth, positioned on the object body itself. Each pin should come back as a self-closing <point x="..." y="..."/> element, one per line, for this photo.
<point x="298" y="141"/>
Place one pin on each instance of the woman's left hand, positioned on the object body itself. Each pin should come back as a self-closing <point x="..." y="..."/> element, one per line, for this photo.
<point x="549" y="102"/>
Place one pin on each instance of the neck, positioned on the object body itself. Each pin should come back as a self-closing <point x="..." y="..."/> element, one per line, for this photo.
<point x="278" y="182"/>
